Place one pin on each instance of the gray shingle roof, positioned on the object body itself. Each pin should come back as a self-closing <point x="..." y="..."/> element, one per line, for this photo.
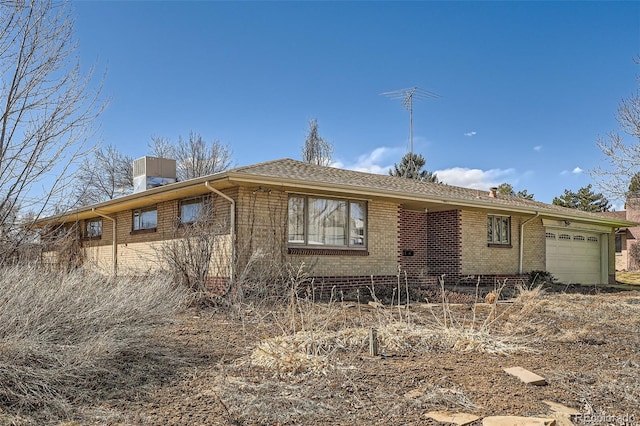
<point x="331" y="177"/>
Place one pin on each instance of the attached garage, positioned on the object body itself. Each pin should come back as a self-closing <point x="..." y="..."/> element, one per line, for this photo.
<point x="576" y="256"/>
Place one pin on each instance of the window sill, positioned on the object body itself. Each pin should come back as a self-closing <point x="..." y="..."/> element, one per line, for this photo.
<point x="327" y="251"/>
<point x="143" y="231"/>
<point x="96" y="238"/>
<point x="494" y="245"/>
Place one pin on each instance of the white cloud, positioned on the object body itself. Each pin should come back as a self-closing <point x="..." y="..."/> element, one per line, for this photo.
<point x="378" y="161"/>
<point x="474" y="178"/>
<point x="576" y="170"/>
<point x="537" y="148"/>
<point x="470" y="133"/>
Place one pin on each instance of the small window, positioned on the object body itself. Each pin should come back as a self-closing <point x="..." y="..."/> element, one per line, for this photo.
<point x="498" y="229"/>
<point x="578" y="238"/>
<point x="618" y="243"/>
<point x="550" y="235"/>
<point x="145" y="219"/>
<point x="194" y="209"/>
<point x="93" y="228"/>
<point x="564" y="237"/>
<point x="592" y="239"/>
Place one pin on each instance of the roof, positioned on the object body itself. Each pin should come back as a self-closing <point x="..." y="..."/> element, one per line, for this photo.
<point x="292" y="175"/>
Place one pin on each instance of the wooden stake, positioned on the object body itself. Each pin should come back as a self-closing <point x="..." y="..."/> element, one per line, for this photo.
<point x="373" y="342"/>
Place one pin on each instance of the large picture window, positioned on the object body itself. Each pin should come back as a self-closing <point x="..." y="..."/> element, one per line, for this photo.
<point x="498" y="230"/>
<point x="145" y="218"/>
<point x="316" y="221"/>
<point x="194" y="209"/>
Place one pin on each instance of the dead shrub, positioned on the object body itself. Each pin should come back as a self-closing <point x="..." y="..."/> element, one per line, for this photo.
<point x="63" y="337"/>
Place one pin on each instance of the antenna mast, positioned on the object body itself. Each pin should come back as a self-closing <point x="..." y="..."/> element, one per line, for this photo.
<point x="407" y="96"/>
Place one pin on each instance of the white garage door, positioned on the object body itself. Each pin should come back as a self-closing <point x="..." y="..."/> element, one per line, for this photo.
<point x="574" y="256"/>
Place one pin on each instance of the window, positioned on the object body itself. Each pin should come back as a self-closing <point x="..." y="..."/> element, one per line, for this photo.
<point x="145" y="218"/>
<point x="93" y="228"/>
<point x="194" y="208"/>
<point x="498" y="229"/>
<point x="618" y="243"/>
<point x="315" y="221"/>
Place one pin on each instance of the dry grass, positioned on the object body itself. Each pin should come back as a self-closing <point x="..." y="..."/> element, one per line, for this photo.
<point x="314" y="335"/>
<point x="65" y="338"/>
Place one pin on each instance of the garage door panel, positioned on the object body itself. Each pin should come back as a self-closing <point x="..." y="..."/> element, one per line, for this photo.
<point x="573" y="256"/>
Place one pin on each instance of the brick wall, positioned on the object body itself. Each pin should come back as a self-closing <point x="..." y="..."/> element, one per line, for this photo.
<point x="444" y="251"/>
<point x="479" y="258"/>
<point x="140" y="251"/>
<point x="412" y="246"/>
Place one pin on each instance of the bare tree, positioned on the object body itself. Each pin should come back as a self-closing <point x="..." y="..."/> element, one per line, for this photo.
<point x="109" y="174"/>
<point x="623" y="155"/>
<point x="194" y="157"/>
<point x="316" y="150"/>
<point x="161" y="147"/>
<point x="46" y="105"/>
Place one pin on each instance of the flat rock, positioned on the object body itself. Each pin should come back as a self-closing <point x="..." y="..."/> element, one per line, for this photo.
<point x="460" y="419"/>
<point x="562" y="419"/>
<point x="517" y="421"/>
<point x="559" y="408"/>
<point x="526" y="376"/>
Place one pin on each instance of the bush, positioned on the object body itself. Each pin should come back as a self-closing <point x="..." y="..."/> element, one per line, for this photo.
<point x="537" y="278"/>
<point x="62" y="336"/>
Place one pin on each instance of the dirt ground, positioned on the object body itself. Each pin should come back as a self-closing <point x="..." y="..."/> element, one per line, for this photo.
<point x="309" y="363"/>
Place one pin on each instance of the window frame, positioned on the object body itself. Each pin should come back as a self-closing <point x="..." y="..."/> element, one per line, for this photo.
<point x="350" y="233"/>
<point x="206" y="206"/>
<point x="141" y="211"/>
<point x="492" y="220"/>
<point x="89" y="235"/>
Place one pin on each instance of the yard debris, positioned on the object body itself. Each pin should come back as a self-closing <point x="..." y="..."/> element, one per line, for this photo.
<point x="517" y="421"/>
<point x="460" y="419"/>
<point x="526" y="376"/>
<point x="559" y="408"/>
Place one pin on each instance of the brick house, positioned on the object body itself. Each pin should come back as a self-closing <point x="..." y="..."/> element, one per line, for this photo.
<point x="627" y="237"/>
<point x="350" y="228"/>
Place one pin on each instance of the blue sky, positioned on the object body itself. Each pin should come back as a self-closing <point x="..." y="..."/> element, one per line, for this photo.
<point x="526" y="88"/>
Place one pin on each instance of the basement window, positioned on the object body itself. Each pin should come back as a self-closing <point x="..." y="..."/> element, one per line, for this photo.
<point x="324" y="222"/>
<point x="145" y="219"/>
<point x="194" y="209"/>
<point x="499" y="230"/>
<point x="93" y="228"/>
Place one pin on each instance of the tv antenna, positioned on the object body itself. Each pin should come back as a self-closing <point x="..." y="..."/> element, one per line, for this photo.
<point x="407" y="96"/>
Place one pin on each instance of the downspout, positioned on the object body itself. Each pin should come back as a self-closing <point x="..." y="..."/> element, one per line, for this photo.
<point x="233" y="228"/>
<point x="114" y="244"/>
<point x="522" y="241"/>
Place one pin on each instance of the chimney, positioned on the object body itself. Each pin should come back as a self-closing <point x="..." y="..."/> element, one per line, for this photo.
<point x="493" y="192"/>
<point x="151" y="172"/>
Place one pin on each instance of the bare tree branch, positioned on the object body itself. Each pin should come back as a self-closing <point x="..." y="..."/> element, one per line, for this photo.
<point x="194" y="157"/>
<point x="316" y="150"/>
<point x="47" y="108"/>
<point x="622" y="155"/>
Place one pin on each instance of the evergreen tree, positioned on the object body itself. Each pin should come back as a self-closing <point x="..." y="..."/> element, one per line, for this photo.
<point x="585" y="199"/>
<point x="411" y="167"/>
<point x="507" y="189"/>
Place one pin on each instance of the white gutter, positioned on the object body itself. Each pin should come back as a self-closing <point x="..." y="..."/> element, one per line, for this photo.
<point x="233" y="228"/>
<point x="521" y="255"/>
<point x="114" y="244"/>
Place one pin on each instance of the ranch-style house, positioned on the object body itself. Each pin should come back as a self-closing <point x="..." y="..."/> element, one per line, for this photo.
<point x="350" y="228"/>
